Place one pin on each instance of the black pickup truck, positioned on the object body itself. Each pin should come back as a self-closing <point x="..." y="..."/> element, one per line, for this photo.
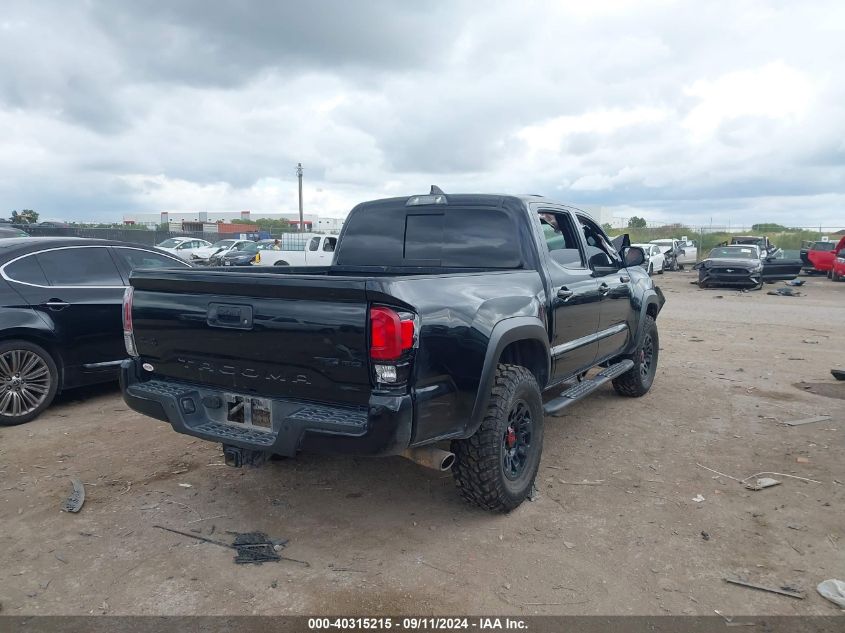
<point x="441" y="322"/>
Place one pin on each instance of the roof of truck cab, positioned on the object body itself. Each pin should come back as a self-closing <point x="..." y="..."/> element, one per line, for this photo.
<point x="475" y="199"/>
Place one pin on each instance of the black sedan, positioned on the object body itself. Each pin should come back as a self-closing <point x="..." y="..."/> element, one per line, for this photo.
<point x="743" y="265"/>
<point x="243" y="256"/>
<point x="60" y="316"/>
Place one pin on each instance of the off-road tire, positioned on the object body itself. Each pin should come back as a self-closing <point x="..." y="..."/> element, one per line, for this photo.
<point x="834" y="276"/>
<point x="480" y="460"/>
<point x="638" y="380"/>
<point x="50" y="380"/>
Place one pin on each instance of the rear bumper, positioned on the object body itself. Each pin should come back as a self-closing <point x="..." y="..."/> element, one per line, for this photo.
<point x="383" y="427"/>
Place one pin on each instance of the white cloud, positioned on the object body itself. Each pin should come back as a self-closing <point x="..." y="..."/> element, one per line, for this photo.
<point x="679" y="109"/>
<point x="549" y="135"/>
<point x="774" y="91"/>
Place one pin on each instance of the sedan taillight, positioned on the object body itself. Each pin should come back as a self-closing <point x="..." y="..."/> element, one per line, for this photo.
<point x="128" y="330"/>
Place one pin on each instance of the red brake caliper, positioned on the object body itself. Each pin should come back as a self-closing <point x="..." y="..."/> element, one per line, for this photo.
<point x="511" y="438"/>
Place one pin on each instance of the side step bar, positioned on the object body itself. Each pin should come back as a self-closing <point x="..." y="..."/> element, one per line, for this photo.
<point x="586" y="387"/>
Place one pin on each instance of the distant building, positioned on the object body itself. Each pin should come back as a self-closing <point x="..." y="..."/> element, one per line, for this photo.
<point x="207" y="221"/>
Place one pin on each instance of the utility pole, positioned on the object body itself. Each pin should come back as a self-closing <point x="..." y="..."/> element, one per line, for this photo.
<point x="299" y="176"/>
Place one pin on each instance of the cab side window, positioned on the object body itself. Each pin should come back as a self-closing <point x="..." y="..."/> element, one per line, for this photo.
<point x="314" y="244"/>
<point x="561" y="238"/>
<point x="328" y="245"/>
<point x="597" y="243"/>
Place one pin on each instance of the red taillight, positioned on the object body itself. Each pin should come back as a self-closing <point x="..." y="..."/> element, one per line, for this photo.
<point x="390" y="335"/>
<point x="407" y="334"/>
<point x="127" y="309"/>
<point x="128" y="336"/>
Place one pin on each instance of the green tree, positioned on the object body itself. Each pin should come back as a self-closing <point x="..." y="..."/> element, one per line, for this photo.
<point x="273" y="225"/>
<point x="607" y="227"/>
<point x="637" y="223"/>
<point x="768" y="227"/>
<point x="25" y="216"/>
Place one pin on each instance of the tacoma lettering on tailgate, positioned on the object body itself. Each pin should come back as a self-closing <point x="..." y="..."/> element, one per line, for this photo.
<point x="245" y="372"/>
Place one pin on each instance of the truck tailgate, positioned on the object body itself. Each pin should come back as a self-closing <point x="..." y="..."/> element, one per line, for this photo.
<point x="273" y="335"/>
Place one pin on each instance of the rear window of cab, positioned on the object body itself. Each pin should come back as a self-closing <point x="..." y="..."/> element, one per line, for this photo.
<point x="453" y="237"/>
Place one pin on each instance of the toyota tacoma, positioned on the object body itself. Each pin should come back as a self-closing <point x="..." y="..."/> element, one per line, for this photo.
<point x="446" y="329"/>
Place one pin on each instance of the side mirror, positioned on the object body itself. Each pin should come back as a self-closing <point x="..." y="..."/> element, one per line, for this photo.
<point x="633" y="256"/>
<point x="681" y="251"/>
<point x="601" y="265"/>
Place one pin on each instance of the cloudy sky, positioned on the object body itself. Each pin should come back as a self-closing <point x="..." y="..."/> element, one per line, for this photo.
<point x="679" y="111"/>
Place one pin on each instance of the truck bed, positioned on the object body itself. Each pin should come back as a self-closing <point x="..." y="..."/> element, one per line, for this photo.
<point x="275" y="332"/>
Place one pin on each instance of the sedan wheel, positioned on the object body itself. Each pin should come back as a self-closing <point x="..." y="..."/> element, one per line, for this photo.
<point x="28" y="381"/>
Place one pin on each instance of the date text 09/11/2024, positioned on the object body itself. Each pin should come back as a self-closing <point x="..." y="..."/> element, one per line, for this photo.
<point x="417" y="624"/>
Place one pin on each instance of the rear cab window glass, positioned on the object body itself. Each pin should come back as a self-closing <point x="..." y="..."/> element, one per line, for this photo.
<point x="456" y="236"/>
<point x="26" y="270"/>
<point x="85" y="266"/>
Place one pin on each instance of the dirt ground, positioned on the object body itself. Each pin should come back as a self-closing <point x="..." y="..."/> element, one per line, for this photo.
<point x="615" y="529"/>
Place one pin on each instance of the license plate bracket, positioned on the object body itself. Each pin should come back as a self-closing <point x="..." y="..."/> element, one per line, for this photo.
<point x="249" y="411"/>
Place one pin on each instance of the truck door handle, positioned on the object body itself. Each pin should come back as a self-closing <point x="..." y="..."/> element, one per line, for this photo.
<point x="56" y="304"/>
<point x="565" y="293"/>
<point x="624" y="279"/>
<point x="604" y="288"/>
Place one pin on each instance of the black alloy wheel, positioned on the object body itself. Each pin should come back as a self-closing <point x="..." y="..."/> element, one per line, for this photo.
<point x="516" y="443"/>
<point x="28" y="381"/>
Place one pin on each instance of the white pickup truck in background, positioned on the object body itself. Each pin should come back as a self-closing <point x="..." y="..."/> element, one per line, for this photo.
<point x="299" y="250"/>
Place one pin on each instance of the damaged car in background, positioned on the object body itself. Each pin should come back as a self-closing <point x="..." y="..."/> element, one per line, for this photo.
<point x="744" y="266"/>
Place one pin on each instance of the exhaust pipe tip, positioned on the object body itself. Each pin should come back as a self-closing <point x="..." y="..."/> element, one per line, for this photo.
<point x="431" y="457"/>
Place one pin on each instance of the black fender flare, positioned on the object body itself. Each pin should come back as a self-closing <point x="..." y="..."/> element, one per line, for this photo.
<point x="504" y="333"/>
<point x="651" y="297"/>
